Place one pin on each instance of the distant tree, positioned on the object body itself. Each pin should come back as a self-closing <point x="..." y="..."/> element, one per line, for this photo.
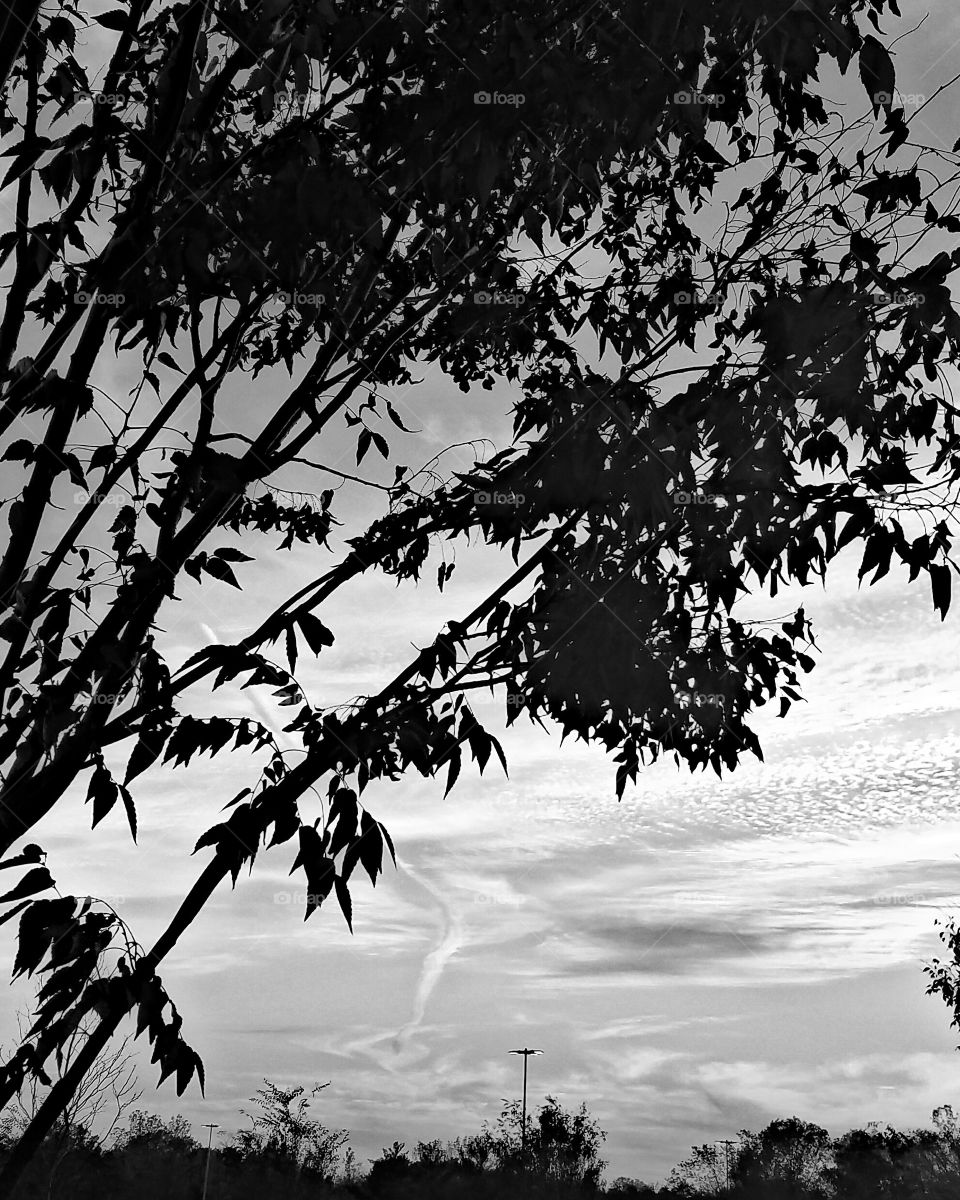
<point x="206" y="196"/>
<point x="788" y="1160"/>
<point x="474" y="1151"/>
<point x="625" y="1188"/>
<point x="945" y="1154"/>
<point x="282" y="1133"/>
<point x="704" y="1172"/>
<point x="431" y="1154"/>
<point x="389" y="1170"/>
<point x="152" y="1159"/>
<point x="149" y="1131"/>
<point x="881" y="1162"/>
<point x="563" y="1147"/>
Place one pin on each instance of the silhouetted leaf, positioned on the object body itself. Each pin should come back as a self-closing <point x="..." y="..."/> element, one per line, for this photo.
<point x="877" y="73"/>
<point x="130" y="809"/>
<point x="221" y="570"/>
<point x="346" y="904"/>
<point x="37" y="880"/>
<point x="316" y="633"/>
<point x="940" y="584"/>
<point x="145" y="753"/>
<point x="116" y="19"/>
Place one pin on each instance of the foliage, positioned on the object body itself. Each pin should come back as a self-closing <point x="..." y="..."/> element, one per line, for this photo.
<point x="789" y="1158"/>
<point x="704" y="1172"/>
<point x="561" y="1146"/>
<point x="625" y="1188"/>
<point x="153" y="1158"/>
<point x="283" y="1134"/>
<point x="321" y="190"/>
<point x="148" y="1131"/>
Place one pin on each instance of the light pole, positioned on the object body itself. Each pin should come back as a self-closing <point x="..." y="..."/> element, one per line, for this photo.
<point x="726" y="1143"/>
<point x="523" y="1128"/>
<point x="206" y="1170"/>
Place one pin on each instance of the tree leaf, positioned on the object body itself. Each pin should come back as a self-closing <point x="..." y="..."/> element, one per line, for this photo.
<point x="116" y="19"/>
<point x="37" y="880"/>
<point x="877" y="73"/>
<point x="346" y="904"/>
<point x="103" y="792"/>
<point x="371" y="847"/>
<point x="453" y="771"/>
<point x="940" y="584"/>
<point x="394" y="417"/>
<point x="363" y="444"/>
<point x="146" y="752"/>
<point x="316" y="633"/>
<point x="221" y="570"/>
<point x="131" y="811"/>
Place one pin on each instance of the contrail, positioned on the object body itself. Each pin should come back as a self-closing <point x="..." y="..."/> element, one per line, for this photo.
<point x="451" y="939"/>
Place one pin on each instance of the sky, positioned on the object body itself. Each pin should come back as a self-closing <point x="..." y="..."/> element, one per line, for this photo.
<point x="704" y="956"/>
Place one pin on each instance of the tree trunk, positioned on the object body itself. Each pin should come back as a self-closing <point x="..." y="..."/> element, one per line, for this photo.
<point x="16" y="22"/>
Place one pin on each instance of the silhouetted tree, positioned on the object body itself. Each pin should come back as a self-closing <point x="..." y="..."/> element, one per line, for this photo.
<point x="886" y="1162"/>
<point x="207" y="193"/>
<point x="561" y="1147"/>
<point x="704" y="1172"/>
<point x="282" y="1133"/>
<point x="625" y="1188"/>
<point x="387" y="1171"/>
<point x="147" y="1130"/>
<point x="788" y="1160"/>
<point x="153" y="1159"/>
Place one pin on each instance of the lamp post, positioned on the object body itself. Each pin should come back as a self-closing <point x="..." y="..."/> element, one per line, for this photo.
<point x="523" y="1128"/>
<point x="206" y="1170"/>
<point x="726" y="1143"/>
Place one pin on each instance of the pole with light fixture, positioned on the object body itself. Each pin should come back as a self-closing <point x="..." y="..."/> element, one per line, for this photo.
<point x="206" y="1170"/>
<point x="523" y="1129"/>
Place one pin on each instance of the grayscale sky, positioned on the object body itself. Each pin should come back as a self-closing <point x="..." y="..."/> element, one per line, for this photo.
<point x="704" y="956"/>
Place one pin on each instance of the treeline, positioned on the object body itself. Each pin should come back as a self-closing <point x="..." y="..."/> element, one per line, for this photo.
<point x="286" y="1154"/>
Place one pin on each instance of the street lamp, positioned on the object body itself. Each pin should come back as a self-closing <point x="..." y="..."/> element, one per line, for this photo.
<point x="726" y="1143"/>
<point x="206" y="1171"/>
<point x="523" y="1128"/>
